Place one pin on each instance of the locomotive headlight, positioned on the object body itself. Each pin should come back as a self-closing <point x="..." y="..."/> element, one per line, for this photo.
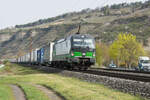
<point x="72" y="54"/>
<point x="83" y="54"/>
<point x="93" y="54"/>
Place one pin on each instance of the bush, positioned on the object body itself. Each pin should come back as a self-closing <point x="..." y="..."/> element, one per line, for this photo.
<point x="102" y="54"/>
<point x="5" y="61"/>
<point x="126" y="48"/>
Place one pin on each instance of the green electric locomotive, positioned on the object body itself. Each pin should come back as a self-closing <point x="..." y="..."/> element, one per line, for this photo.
<point x="74" y="51"/>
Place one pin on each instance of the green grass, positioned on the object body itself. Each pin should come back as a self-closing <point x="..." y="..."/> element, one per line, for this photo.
<point x="14" y="69"/>
<point x="32" y="93"/>
<point x="6" y="93"/>
<point x="70" y="88"/>
<point x="74" y="89"/>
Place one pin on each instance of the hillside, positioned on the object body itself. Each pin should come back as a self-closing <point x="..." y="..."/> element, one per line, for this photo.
<point x="103" y="23"/>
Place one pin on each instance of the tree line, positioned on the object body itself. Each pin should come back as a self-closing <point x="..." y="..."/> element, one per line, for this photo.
<point x="124" y="51"/>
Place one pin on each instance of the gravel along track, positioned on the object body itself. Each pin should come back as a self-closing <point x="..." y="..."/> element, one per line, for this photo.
<point x="18" y="93"/>
<point x="124" y="85"/>
<point x="143" y="77"/>
<point x="52" y="95"/>
<point x="125" y="75"/>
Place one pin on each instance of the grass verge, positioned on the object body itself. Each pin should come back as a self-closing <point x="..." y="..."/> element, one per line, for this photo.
<point x="32" y="93"/>
<point x="6" y="92"/>
<point x="15" y="69"/>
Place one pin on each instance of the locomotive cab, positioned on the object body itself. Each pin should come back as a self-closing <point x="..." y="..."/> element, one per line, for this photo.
<point x="83" y="49"/>
<point x="74" y="51"/>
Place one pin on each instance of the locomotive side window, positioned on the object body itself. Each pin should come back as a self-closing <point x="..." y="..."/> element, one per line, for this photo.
<point x="77" y="42"/>
<point x="84" y="43"/>
<point x="89" y="42"/>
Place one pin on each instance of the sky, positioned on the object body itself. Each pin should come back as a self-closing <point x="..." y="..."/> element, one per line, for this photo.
<point x="16" y="12"/>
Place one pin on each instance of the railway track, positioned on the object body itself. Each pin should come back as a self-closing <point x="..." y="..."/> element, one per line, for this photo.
<point x="143" y="77"/>
<point x="122" y="70"/>
<point x="121" y="74"/>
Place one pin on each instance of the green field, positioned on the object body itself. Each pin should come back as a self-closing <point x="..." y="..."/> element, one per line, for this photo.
<point x="5" y="92"/>
<point x="67" y="87"/>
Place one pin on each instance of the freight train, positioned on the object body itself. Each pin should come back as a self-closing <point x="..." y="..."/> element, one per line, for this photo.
<point x="76" y="51"/>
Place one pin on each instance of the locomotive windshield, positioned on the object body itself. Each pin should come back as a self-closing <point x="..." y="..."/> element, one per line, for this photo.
<point x="83" y="42"/>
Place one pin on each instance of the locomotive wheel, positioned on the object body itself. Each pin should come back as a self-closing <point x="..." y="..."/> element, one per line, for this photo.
<point x="85" y="68"/>
<point x="71" y="68"/>
<point x="80" y="68"/>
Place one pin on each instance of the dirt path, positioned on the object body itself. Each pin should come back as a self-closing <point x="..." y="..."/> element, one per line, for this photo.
<point x="18" y="93"/>
<point x="48" y="92"/>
